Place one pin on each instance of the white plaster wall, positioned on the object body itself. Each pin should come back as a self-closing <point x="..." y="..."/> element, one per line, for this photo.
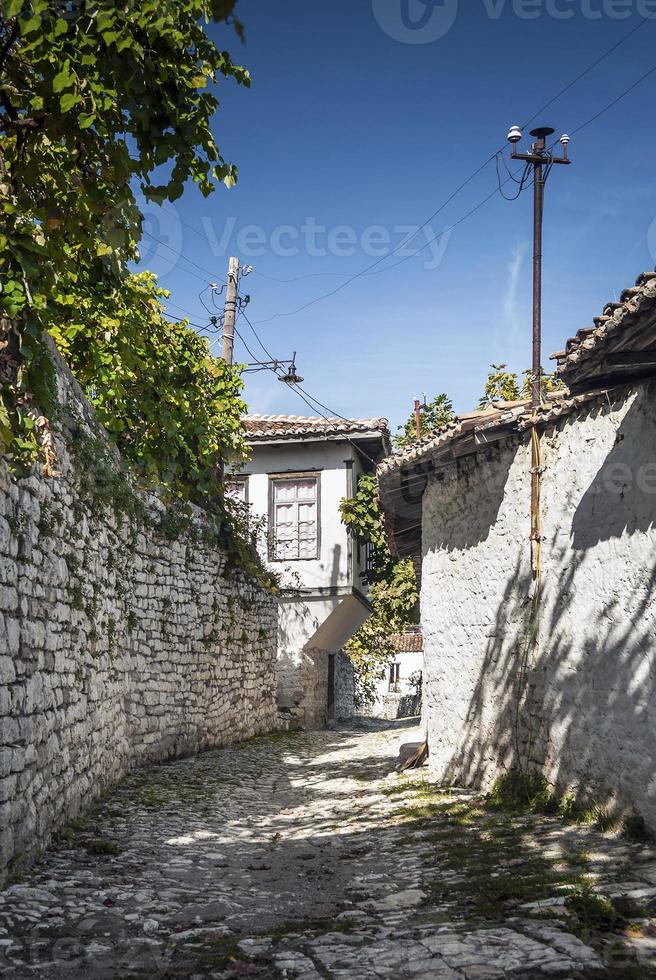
<point x="585" y="711"/>
<point x="329" y="458"/>
<point x="298" y="621"/>
<point x="303" y="645"/>
<point x="409" y="664"/>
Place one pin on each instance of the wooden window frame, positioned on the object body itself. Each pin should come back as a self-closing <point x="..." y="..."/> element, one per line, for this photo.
<point x="274" y="478"/>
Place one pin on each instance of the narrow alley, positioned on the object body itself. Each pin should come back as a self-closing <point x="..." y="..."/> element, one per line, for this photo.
<point x="306" y="855"/>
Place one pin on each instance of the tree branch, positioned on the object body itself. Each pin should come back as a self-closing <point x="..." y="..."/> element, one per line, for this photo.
<point x="9" y="43"/>
<point x="11" y="112"/>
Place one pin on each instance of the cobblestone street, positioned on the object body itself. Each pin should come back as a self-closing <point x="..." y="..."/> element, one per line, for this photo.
<point x="305" y="855"/>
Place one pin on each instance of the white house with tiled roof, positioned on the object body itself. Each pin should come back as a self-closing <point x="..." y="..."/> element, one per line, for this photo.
<point x="397" y="694"/>
<point x="299" y="470"/>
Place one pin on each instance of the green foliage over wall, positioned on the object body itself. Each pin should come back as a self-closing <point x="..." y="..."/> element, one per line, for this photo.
<point x="505" y="386"/>
<point x="173" y="409"/>
<point x="96" y="98"/>
<point x="436" y="415"/>
<point x="393" y="593"/>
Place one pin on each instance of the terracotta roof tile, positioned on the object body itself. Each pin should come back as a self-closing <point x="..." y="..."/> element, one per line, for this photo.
<point x="514" y="416"/>
<point x="411" y="642"/>
<point x="261" y="428"/>
<point x="576" y="363"/>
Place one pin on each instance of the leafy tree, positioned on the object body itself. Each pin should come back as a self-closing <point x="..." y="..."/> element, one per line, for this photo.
<point x="97" y="99"/>
<point x="393" y="592"/>
<point x="548" y="384"/>
<point x="435" y="416"/>
<point x="362" y="516"/>
<point x="172" y="408"/>
<point x="504" y="386"/>
<point x="501" y="385"/>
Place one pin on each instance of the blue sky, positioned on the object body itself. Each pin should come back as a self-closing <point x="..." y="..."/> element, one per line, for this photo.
<point x="350" y="135"/>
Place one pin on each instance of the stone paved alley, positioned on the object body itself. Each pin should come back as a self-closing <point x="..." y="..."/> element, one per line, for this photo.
<point x="305" y="855"/>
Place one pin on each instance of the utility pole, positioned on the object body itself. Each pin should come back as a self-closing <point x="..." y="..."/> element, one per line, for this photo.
<point x="230" y="311"/>
<point x="229" y="316"/>
<point x="417" y="419"/>
<point x="541" y="159"/>
<point x="538" y="158"/>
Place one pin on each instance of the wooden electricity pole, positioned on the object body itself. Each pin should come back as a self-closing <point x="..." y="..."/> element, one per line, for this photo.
<point x="230" y="311"/>
<point x="229" y="317"/>
<point x="417" y="420"/>
<point x="542" y="160"/>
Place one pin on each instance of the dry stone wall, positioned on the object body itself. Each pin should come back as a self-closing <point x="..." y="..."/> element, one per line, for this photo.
<point x="125" y="635"/>
<point x="580" y="705"/>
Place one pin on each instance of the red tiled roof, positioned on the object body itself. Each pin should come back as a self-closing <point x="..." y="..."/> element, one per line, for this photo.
<point x="620" y="338"/>
<point x="596" y="364"/>
<point x="271" y="428"/>
<point x="408" y="642"/>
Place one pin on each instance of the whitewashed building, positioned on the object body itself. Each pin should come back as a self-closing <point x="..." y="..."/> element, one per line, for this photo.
<point x="398" y="692"/>
<point x="544" y="659"/>
<point x="299" y="471"/>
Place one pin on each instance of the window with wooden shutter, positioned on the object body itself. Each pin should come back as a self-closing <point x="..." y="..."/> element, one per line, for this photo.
<point x="295" y="519"/>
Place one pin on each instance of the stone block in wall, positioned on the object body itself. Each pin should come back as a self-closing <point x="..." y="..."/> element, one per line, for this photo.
<point x="97" y="676"/>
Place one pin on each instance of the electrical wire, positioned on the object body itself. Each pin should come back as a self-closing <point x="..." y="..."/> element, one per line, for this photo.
<point x="178" y="319"/>
<point x="304" y="395"/>
<point x="485" y="200"/>
<point x="471" y="177"/>
<point x="521" y="182"/>
<point x="587" y="70"/>
<point x="180" y="308"/>
<point x="257" y="336"/>
<point x="250" y="352"/>
<point x="547" y="105"/>
<point x="300" y="391"/>
<point x="180" y="255"/>
<point x="203" y="304"/>
<point x="461" y="187"/>
<point x="610" y="105"/>
<point x="310" y="275"/>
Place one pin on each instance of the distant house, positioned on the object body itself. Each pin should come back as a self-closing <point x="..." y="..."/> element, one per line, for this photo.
<point x="540" y="653"/>
<point x="299" y="471"/>
<point x="398" y="693"/>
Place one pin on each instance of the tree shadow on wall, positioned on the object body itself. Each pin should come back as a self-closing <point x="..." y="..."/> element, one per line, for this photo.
<point x="622" y="497"/>
<point x="491" y="477"/>
<point x="581" y="705"/>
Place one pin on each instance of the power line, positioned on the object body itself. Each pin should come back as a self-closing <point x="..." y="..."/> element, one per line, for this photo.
<point x="310" y="275"/>
<point x="170" y="316"/>
<point x="180" y="255"/>
<point x="468" y="180"/>
<point x="522" y="182"/>
<point x="482" y="203"/>
<point x="250" y="352"/>
<point x="180" y="308"/>
<point x="587" y="70"/>
<point x="393" y="252"/>
<point x="301" y="392"/>
<point x="257" y="336"/>
<point x="615" y="101"/>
